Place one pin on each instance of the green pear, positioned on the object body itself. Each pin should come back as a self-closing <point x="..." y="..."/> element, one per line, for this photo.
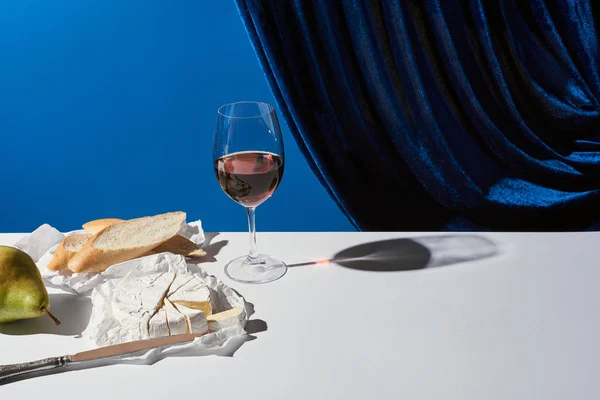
<point x="22" y="291"/>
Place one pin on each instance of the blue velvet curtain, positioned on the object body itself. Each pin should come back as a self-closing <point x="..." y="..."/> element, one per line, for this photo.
<point x="441" y="114"/>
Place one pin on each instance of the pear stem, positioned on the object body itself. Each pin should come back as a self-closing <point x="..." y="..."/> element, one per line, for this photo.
<point x="48" y="313"/>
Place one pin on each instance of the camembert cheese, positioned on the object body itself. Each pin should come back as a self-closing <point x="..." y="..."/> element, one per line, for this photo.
<point x="164" y="304"/>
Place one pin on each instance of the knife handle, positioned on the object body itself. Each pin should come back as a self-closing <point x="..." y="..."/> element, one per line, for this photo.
<point x="12" y="370"/>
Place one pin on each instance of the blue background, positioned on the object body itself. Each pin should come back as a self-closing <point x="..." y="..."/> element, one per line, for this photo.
<point x="107" y="109"/>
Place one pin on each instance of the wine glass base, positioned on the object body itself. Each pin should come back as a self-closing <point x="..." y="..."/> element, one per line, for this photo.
<point x="262" y="269"/>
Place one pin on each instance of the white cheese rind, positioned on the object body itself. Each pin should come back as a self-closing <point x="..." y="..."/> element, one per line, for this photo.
<point x="179" y="281"/>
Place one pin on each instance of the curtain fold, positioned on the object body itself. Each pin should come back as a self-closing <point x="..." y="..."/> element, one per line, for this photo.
<point x="422" y="115"/>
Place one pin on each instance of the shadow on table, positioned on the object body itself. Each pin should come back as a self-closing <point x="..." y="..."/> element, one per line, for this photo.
<point x="73" y="311"/>
<point x="406" y="254"/>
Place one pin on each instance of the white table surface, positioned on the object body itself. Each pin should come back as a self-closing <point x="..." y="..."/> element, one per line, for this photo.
<point x="522" y="324"/>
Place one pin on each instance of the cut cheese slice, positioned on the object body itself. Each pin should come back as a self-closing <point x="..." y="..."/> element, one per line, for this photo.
<point x="158" y="326"/>
<point x="196" y="320"/>
<point x="193" y="294"/>
<point x="225" y="319"/>
<point x="137" y="300"/>
<point x="176" y="321"/>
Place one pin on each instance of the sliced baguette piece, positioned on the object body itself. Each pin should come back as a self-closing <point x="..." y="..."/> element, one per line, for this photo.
<point x="125" y="241"/>
<point x="176" y="245"/>
<point x="69" y="246"/>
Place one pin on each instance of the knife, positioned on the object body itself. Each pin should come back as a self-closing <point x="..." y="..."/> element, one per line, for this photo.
<point x="13" y="370"/>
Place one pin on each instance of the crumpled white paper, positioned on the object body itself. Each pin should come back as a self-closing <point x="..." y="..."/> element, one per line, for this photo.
<point x="104" y="329"/>
<point x="41" y="244"/>
<point x="40" y="241"/>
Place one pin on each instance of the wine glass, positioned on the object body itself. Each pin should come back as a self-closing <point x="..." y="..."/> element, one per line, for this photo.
<point x="248" y="160"/>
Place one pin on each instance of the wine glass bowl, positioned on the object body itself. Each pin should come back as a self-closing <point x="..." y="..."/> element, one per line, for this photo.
<point x="248" y="160"/>
<point x="249" y="177"/>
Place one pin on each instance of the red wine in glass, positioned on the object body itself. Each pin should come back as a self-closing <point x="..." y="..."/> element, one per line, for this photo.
<point x="249" y="177"/>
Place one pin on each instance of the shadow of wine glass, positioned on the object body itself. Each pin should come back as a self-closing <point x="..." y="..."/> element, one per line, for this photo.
<point x="73" y="311"/>
<point x="406" y="254"/>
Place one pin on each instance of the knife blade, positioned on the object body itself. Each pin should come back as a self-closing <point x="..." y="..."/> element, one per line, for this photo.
<point x="13" y="370"/>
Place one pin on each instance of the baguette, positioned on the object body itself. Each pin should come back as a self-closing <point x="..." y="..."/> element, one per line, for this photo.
<point x="176" y="245"/>
<point x="126" y="240"/>
<point x="69" y="246"/>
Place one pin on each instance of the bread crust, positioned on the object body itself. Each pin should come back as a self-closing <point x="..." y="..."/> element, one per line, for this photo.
<point x="93" y="259"/>
<point x="176" y="245"/>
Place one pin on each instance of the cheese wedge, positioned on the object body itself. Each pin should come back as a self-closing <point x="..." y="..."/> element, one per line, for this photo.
<point x="175" y="320"/>
<point x="158" y="326"/>
<point x="225" y="319"/>
<point x="196" y="320"/>
<point x="193" y="294"/>
<point x="137" y="300"/>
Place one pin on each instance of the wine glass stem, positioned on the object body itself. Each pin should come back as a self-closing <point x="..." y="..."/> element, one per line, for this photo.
<point x="253" y="254"/>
